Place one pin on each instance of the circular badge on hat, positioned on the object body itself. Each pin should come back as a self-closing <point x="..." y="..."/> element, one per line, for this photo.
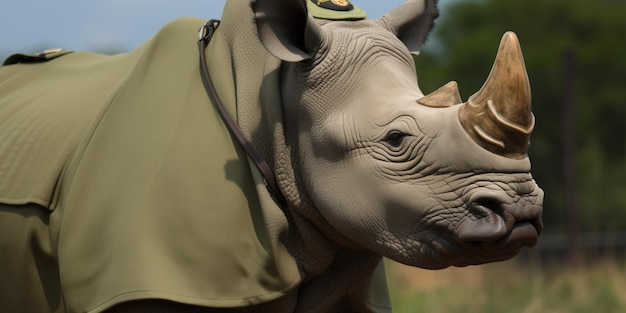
<point x="335" y="5"/>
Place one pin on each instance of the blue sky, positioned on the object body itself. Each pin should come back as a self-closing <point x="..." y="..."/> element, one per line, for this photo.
<point x="119" y="25"/>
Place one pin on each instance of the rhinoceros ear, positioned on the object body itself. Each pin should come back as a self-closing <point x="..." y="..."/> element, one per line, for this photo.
<point x="286" y="29"/>
<point x="412" y="21"/>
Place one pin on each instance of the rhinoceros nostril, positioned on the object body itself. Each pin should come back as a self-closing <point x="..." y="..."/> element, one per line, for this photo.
<point x="485" y="207"/>
<point x="484" y="222"/>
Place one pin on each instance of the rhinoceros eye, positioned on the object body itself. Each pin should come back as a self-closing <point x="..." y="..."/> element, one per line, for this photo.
<point x="395" y="138"/>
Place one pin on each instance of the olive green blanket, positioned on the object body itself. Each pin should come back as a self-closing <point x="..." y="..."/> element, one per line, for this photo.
<point x="144" y="180"/>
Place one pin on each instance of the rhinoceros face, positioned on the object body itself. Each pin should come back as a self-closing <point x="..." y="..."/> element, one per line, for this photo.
<point x="425" y="180"/>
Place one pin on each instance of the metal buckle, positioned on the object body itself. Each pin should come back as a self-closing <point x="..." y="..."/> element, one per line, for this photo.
<point x="206" y="31"/>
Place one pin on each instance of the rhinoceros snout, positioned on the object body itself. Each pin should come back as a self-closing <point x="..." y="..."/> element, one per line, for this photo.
<point x="497" y="221"/>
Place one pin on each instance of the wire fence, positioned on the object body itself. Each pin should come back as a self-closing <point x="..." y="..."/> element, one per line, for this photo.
<point x="591" y="246"/>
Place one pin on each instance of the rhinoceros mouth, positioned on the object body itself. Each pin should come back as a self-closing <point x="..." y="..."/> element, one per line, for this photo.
<point x="448" y="250"/>
<point x="524" y="234"/>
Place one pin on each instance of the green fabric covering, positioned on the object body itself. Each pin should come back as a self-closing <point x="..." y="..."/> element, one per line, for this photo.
<point x="157" y="200"/>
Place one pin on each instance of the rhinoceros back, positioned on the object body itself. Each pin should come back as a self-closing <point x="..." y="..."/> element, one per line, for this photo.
<point x="148" y="194"/>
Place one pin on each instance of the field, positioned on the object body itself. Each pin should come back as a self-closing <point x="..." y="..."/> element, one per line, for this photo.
<point x="509" y="287"/>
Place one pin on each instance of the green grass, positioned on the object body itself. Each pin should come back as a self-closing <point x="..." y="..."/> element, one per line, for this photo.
<point x="510" y="287"/>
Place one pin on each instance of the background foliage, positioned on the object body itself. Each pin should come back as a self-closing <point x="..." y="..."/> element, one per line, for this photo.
<point x="464" y="44"/>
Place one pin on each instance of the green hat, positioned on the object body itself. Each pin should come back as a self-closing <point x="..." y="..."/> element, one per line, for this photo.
<point x="335" y="10"/>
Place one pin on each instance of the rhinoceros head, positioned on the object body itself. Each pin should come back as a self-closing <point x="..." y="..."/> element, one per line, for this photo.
<point x="424" y="180"/>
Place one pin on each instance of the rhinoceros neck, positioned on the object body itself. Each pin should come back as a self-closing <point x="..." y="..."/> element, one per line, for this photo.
<point x="256" y="76"/>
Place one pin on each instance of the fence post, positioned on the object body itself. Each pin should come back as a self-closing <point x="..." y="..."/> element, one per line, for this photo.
<point x="574" y="254"/>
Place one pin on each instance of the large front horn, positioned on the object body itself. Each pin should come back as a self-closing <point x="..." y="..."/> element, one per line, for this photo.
<point x="498" y="117"/>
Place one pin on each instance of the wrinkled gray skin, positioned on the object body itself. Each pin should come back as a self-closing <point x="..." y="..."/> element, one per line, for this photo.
<point x="399" y="178"/>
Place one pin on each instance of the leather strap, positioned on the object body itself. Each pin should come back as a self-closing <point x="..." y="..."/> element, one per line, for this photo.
<point x="205" y="34"/>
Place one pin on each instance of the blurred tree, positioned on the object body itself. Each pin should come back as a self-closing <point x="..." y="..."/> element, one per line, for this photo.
<point x="463" y="47"/>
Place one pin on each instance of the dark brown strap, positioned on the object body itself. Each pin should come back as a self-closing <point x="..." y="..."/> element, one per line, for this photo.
<point x="206" y="32"/>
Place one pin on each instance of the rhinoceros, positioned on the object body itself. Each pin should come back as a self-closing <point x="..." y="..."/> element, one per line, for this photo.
<point x="123" y="190"/>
